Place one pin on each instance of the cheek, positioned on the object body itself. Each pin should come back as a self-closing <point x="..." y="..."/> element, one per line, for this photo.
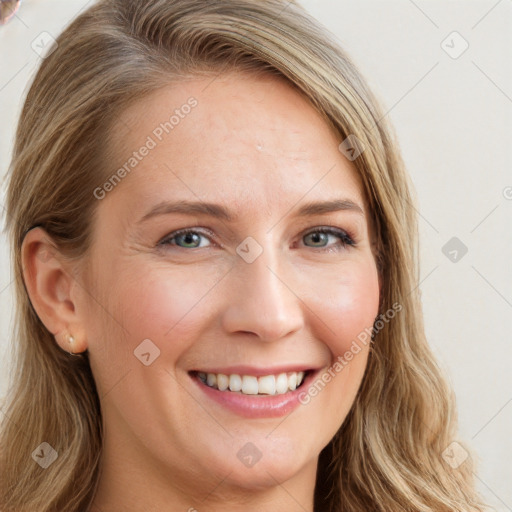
<point x="349" y="308"/>
<point x="166" y="306"/>
<point x="163" y="304"/>
<point x="347" y="303"/>
<point x="174" y="306"/>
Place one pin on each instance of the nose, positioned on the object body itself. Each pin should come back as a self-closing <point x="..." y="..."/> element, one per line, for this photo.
<point x="262" y="300"/>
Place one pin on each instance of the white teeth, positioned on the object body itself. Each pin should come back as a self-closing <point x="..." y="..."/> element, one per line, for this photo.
<point x="250" y="385"/>
<point x="282" y="383"/>
<point x="292" y="381"/>
<point x="235" y="382"/>
<point x="267" y="385"/>
<point x="222" y="382"/>
<point x="211" y="379"/>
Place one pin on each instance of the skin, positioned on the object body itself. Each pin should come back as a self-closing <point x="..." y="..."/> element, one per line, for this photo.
<point x="257" y="147"/>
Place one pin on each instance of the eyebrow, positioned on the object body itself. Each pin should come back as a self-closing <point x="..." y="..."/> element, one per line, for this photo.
<point x="219" y="211"/>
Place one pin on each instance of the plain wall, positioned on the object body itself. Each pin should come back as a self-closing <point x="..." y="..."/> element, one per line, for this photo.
<point x="453" y="117"/>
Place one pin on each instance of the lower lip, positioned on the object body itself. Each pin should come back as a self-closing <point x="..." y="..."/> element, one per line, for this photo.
<point x="257" y="406"/>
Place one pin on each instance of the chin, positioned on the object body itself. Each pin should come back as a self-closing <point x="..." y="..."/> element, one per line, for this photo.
<point x="258" y="464"/>
<point x="263" y="475"/>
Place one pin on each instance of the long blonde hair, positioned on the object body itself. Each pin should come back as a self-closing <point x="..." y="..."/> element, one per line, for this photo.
<point x="388" y="453"/>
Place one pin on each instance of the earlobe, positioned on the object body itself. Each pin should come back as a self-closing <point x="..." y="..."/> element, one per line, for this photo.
<point x="71" y="345"/>
<point x="49" y="285"/>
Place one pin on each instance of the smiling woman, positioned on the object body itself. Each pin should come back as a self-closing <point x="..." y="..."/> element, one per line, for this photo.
<point x="239" y="308"/>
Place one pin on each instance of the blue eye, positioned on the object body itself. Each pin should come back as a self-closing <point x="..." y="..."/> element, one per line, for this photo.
<point x="191" y="238"/>
<point x="321" y="236"/>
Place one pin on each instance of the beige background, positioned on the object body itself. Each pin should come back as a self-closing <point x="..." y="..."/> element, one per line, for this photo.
<point x="453" y="117"/>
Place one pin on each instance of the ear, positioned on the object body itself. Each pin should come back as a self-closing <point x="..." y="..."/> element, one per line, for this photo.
<point x="53" y="290"/>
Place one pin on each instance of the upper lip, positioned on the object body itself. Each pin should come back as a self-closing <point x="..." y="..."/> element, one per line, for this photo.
<point x="257" y="371"/>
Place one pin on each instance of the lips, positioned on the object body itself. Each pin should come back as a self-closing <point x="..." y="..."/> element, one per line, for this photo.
<point x="248" y="404"/>
<point x="272" y="384"/>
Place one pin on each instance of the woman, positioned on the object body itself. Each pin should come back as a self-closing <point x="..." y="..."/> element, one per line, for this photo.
<point x="215" y="260"/>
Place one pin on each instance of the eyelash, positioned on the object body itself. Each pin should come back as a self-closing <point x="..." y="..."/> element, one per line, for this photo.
<point x="344" y="238"/>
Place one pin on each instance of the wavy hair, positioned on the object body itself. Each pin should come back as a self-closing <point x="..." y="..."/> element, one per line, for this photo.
<point x="387" y="454"/>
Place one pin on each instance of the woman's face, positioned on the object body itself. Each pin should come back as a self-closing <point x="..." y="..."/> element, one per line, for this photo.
<point x="254" y="290"/>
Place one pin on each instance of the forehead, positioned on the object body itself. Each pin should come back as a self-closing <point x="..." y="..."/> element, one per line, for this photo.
<point x="253" y="141"/>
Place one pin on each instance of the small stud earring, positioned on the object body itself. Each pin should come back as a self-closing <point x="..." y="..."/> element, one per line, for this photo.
<point x="71" y="340"/>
